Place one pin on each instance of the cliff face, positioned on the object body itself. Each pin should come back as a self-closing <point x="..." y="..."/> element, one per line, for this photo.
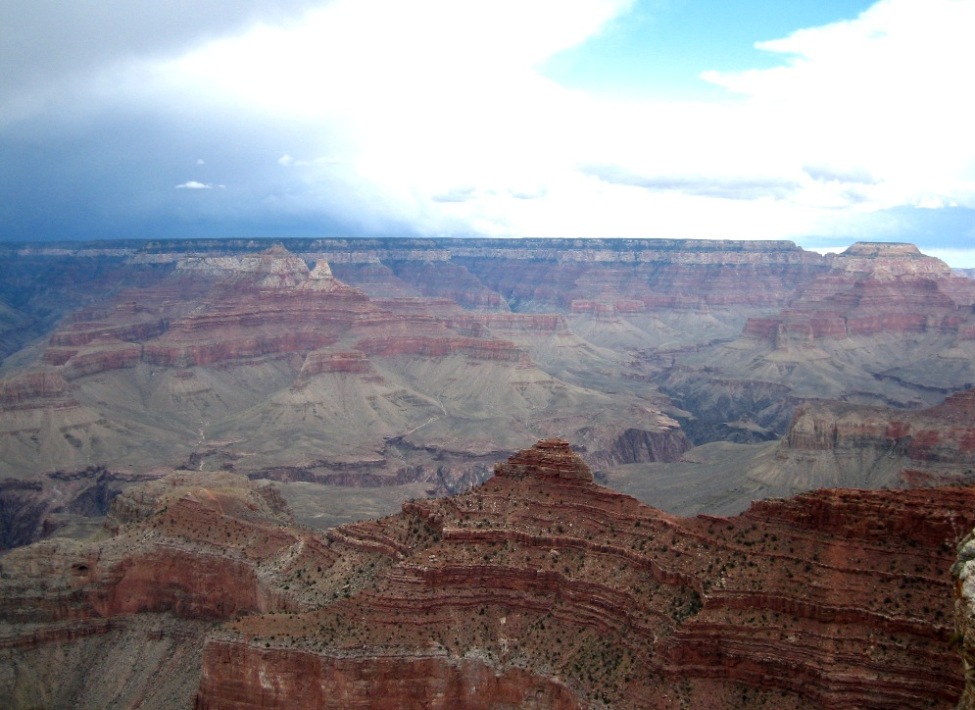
<point x="878" y="446"/>
<point x="574" y="596"/>
<point x="963" y="572"/>
<point x="884" y="325"/>
<point x="944" y="433"/>
<point x="872" y="289"/>
<point x="537" y="588"/>
<point x="244" y="359"/>
<point x="407" y="362"/>
<point x="135" y="607"/>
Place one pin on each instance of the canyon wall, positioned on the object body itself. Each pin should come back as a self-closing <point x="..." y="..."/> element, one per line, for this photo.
<point x="537" y="588"/>
<point x="244" y="357"/>
<point x="835" y="599"/>
<point x="377" y="362"/>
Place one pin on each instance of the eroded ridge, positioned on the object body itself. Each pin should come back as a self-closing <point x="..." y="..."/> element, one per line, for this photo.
<point x="542" y="589"/>
<point x="538" y="588"/>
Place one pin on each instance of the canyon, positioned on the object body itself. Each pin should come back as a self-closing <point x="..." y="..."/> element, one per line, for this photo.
<point x="828" y="443"/>
<point x="282" y="457"/>
<point x="410" y="363"/>
<point x="536" y="588"/>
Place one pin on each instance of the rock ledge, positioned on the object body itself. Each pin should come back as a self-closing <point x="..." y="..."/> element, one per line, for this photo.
<point x="549" y="458"/>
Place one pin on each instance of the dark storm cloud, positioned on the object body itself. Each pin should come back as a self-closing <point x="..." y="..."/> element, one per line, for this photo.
<point x="83" y="163"/>
<point x="732" y="188"/>
<point x="46" y="44"/>
<point x="117" y="177"/>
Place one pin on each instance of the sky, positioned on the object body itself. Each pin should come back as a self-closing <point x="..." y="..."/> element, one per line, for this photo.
<point x="824" y="123"/>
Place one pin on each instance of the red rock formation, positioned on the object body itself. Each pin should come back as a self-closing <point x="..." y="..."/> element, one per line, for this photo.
<point x="549" y="458"/>
<point x="536" y="589"/>
<point x="835" y="599"/>
<point x="107" y="357"/>
<point x="191" y="552"/>
<point x="930" y="446"/>
<point x="277" y="679"/>
<point x="352" y="362"/>
<point x="873" y="289"/>
<point x="78" y="333"/>
<point x="254" y="306"/>
<point x="33" y="389"/>
<point x="474" y="348"/>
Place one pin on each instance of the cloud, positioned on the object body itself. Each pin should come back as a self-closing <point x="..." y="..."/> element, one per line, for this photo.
<point x="194" y="185"/>
<point x="847" y="175"/>
<point x="880" y="95"/>
<point x="724" y="187"/>
<point x="435" y="118"/>
<point x="46" y="45"/>
<point x="457" y="194"/>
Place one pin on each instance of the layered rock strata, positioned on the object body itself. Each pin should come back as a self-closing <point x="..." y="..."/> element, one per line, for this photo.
<point x="137" y="605"/>
<point x="879" y="446"/>
<point x="885" y="325"/>
<point x="538" y="588"/>
<point x="257" y="362"/>
<point x="570" y="595"/>
<point x="309" y="359"/>
<point x="873" y="289"/>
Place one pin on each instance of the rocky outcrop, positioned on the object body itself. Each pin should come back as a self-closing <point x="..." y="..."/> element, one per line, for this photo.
<point x="537" y="588"/>
<point x="549" y="458"/>
<point x="39" y="388"/>
<point x="835" y="599"/>
<point x="889" y="260"/>
<point x="880" y="446"/>
<point x="182" y="558"/>
<point x="963" y="573"/>
<point x="409" y="682"/>
<point x="873" y="289"/>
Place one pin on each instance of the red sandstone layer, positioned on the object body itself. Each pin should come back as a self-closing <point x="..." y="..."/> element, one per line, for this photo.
<point x="835" y="599"/>
<point x="874" y="289"/>
<point x="538" y="588"/>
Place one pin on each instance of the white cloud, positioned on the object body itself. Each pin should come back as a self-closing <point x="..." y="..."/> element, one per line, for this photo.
<point x="433" y="116"/>
<point x="194" y="185"/>
<point x="957" y="258"/>
<point x="414" y="101"/>
<point x="882" y="94"/>
<point x="439" y="99"/>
